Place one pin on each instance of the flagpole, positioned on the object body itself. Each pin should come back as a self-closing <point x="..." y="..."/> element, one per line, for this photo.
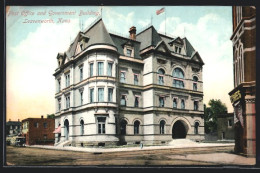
<point x="165" y="20"/>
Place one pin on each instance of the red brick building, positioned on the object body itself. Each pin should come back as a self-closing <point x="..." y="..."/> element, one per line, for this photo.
<point x="38" y="131"/>
<point x="243" y="94"/>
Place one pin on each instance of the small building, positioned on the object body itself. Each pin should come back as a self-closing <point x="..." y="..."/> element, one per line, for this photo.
<point x="13" y="128"/>
<point x="225" y="124"/>
<point x="38" y="131"/>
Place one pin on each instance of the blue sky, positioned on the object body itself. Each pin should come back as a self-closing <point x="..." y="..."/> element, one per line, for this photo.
<point x="32" y="48"/>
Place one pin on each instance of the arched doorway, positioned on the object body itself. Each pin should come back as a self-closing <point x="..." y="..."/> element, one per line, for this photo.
<point x="66" y="129"/>
<point x="179" y="131"/>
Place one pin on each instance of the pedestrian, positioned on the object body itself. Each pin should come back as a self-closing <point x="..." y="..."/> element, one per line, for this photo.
<point x="141" y="145"/>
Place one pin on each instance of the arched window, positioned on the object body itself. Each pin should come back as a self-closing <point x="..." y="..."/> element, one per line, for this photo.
<point x="81" y="127"/>
<point x="196" y="128"/>
<point x="123" y="124"/>
<point x="195" y="85"/>
<point x="162" y="127"/>
<point x="161" y="74"/>
<point x="182" y="104"/>
<point x="175" y="103"/>
<point x="178" y="75"/>
<point x="136" y="127"/>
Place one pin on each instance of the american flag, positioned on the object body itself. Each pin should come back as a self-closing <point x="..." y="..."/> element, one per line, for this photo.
<point x="160" y="11"/>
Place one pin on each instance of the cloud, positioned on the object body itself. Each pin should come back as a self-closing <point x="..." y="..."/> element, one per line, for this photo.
<point x="210" y="37"/>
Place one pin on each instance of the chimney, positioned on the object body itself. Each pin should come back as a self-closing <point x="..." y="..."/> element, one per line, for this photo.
<point x="132" y="32"/>
<point x="18" y="120"/>
<point x="42" y="116"/>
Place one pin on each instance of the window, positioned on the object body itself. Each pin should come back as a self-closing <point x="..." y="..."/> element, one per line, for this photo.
<point x="109" y="69"/>
<point x="110" y="94"/>
<point x="81" y="74"/>
<point x="67" y="101"/>
<point x="123" y="127"/>
<point x="161" y="101"/>
<point x="174" y="103"/>
<point x="100" y="68"/>
<point x="11" y="127"/>
<point x="101" y="125"/>
<point x="178" y="75"/>
<point x="36" y="125"/>
<point x="136" y="101"/>
<point x="136" y="79"/>
<point x="128" y="52"/>
<point x="44" y="137"/>
<point x="179" y="50"/>
<point x="123" y="100"/>
<point x="162" y="126"/>
<point x="67" y="76"/>
<point x="176" y="49"/>
<point x="161" y="74"/>
<point x="195" y="87"/>
<point x="81" y="127"/>
<point x="122" y="77"/>
<point x="58" y="85"/>
<point x="45" y="125"/>
<point x="196" y="106"/>
<point x="81" y="97"/>
<point x="196" y="128"/>
<point x="229" y="123"/>
<point x="100" y="94"/>
<point x="91" y="99"/>
<point x="59" y="104"/>
<point x="136" y="127"/>
<point x="91" y="69"/>
<point x="182" y="104"/>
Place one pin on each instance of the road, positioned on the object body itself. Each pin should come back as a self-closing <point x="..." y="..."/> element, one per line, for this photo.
<point x="185" y="156"/>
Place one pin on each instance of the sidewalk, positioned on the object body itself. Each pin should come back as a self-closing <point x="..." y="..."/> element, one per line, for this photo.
<point x="172" y="145"/>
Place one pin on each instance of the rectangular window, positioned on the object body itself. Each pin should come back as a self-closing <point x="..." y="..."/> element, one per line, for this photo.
<point x="128" y="52"/>
<point x="161" y="101"/>
<point x="196" y="105"/>
<point x="109" y="69"/>
<point x="176" y="49"/>
<point x="195" y="88"/>
<point x="178" y="83"/>
<point x="67" y="102"/>
<point x="59" y="104"/>
<point x="229" y="122"/>
<point x="123" y="100"/>
<point x="182" y="104"/>
<point x="100" y="68"/>
<point x="136" y="102"/>
<point x="179" y="50"/>
<point x="81" y="74"/>
<point x="45" y="125"/>
<point x="101" y="125"/>
<point x="161" y="82"/>
<point x="67" y="76"/>
<point x="58" y="85"/>
<point x="122" y="77"/>
<point x="91" y="69"/>
<point x="81" y="97"/>
<point x="174" y="103"/>
<point x="100" y="94"/>
<point x="136" y="79"/>
<point x="44" y="137"/>
<point x="91" y="95"/>
<point x="110" y="94"/>
<point x="36" y="125"/>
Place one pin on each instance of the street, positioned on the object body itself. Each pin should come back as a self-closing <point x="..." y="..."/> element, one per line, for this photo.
<point x="221" y="155"/>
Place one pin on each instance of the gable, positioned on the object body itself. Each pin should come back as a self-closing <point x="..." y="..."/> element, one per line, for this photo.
<point x="162" y="47"/>
<point x="196" y="57"/>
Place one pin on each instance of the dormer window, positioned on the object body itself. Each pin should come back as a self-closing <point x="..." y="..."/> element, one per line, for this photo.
<point x="128" y="52"/>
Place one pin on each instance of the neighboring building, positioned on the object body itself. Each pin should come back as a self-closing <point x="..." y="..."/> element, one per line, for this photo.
<point x="113" y="89"/>
<point x="38" y="130"/>
<point x="244" y="65"/>
<point x="13" y="128"/>
<point x="225" y="126"/>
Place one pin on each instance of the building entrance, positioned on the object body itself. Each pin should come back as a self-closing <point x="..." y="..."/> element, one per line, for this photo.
<point x="178" y="130"/>
<point x="66" y="129"/>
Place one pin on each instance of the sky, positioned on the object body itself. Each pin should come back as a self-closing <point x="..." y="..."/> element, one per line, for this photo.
<point x="31" y="48"/>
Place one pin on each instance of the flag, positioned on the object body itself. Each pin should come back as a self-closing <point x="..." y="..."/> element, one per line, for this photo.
<point x="160" y="11"/>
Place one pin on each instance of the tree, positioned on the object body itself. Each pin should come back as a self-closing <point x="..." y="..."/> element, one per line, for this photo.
<point x="51" y="116"/>
<point x="215" y="108"/>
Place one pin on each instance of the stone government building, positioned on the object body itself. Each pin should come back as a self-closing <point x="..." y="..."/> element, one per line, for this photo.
<point x="116" y="90"/>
